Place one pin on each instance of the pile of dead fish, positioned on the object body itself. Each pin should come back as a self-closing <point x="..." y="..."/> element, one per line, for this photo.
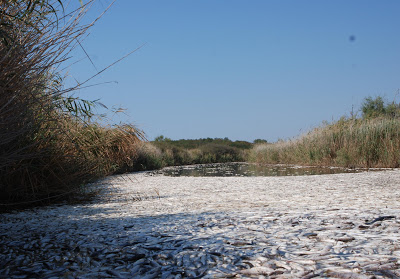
<point x="54" y="243"/>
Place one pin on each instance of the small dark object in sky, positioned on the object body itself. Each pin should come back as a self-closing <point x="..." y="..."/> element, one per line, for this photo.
<point x="352" y="38"/>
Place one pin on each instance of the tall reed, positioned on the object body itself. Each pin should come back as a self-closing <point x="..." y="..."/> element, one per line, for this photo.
<point x="48" y="151"/>
<point x="348" y="143"/>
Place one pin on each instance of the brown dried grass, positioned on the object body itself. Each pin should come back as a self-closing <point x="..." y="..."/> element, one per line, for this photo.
<point x="46" y="153"/>
<point x="363" y="143"/>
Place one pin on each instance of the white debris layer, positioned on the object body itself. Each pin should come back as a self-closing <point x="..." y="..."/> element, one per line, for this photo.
<point x="144" y="226"/>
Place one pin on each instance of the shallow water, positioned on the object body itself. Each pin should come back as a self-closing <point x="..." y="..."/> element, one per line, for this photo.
<point x="245" y="169"/>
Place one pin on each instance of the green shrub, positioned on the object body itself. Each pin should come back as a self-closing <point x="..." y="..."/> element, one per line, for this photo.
<point x="378" y="107"/>
<point x="258" y="141"/>
<point x="213" y="153"/>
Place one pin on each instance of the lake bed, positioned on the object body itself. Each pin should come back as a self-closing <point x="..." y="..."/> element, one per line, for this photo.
<point x="148" y="225"/>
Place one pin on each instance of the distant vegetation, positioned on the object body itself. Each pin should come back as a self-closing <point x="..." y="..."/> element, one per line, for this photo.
<point x="166" y="152"/>
<point x="196" y="143"/>
<point x="372" y="140"/>
<point x="377" y="107"/>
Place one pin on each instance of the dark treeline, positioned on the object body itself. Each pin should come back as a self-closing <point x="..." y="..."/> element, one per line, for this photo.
<point x="196" y="143"/>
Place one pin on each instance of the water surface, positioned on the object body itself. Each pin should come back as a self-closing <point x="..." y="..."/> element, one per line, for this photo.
<point x="246" y="169"/>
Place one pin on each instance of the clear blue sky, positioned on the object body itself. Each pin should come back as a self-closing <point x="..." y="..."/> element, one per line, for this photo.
<point x="241" y="69"/>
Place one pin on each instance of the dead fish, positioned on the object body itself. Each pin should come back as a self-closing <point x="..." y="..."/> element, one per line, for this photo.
<point x="391" y="274"/>
<point x="258" y="270"/>
<point x="345" y="238"/>
<point x="322" y="258"/>
<point x="310" y="235"/>
<point x="382" y="218"/>
<point x="114" y="273"/>
<point x="346" y="275"/>
<point x="297" y="266"/>
<point x="153" y="274"/>
<point x="363" y="227"/>
<point x="379" y="267"/>
<point x="239" y="243"/>
<point x="282" y="264"/>
<point x="326" y="250"/>
<point x="309" y="275"/>
<point x="304" y="261"/>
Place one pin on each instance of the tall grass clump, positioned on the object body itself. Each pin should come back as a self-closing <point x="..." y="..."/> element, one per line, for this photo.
<point x="49" y="146"/>
<point x="366" y="142"/>
<point x="166" y="152"/>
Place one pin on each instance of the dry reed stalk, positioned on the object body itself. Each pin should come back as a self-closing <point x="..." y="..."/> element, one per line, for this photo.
<point x="347" y="143"/>
<point x="45" y="151"/>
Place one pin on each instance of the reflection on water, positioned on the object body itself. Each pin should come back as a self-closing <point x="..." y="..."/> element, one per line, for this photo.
<point x="245" y="169"/>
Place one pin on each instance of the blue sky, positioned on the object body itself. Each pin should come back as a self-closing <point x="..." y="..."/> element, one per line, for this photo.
<point x="241" y="69"/>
